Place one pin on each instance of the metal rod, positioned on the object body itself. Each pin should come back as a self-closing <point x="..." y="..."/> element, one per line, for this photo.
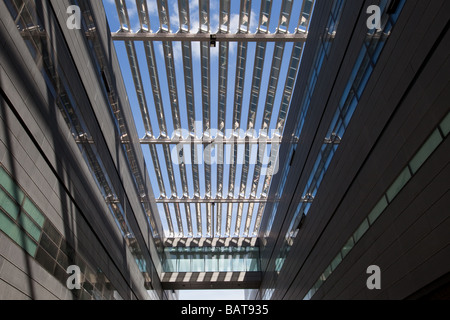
<point x="217" y="201"/>
<point x="206" y="37"/>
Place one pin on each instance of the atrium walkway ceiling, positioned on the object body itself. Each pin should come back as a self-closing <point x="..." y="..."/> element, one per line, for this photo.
<point x="213" y="172"/>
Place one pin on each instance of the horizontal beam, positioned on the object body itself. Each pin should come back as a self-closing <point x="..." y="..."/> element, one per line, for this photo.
<point x="156" y="141"/>
<point x="206" y="37"/>
<point x="211" y="242"/>
<point x="216" y="201"/>
<point x="210" y="280"/>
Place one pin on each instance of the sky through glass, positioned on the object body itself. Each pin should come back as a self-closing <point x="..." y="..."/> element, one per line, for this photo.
<point x="114" y="23"/>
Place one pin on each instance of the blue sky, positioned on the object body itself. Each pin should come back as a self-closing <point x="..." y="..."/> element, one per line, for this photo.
<point x="234" y="21"/>
<point x="214" y="16"/>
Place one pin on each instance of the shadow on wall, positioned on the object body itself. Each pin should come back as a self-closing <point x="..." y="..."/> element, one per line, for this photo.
<point x="64" y="169"/>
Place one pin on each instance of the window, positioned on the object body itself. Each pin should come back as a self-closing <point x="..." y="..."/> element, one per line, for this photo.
<point x="427" y="149"/>
<point x="16" y="234"/>
<point x="398" y="184"/>
<point x="9" y="205"/>
<point x="347" y="247"/>
<point x="34" y="212"/>
<point x="361" y="230"/>
<point x="445" y="125"/>
<point x="336" y="261"/>
<point x="377" y="210"/>
<point x="8" y="184"/>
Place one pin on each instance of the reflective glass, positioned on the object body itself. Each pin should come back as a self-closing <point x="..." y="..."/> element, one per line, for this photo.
<point x="336" y="261"/>
<point x="226" y="259"/>
<point x="377" y="210"/>
<point x="327" y="273"/>
<point x="425" y="151"/>
<point x="347" y="247"/>
<point x="184" y="260"/>
<point x="445" y="125"/>
<point x="398" y="184"/>
<point x="34" y="212"/>
<point x="212" y="261"/>
<point x="239" y="259"/>
<point x="364" y="80"/>
<point x="197" y="264"/>
<point x="46" y="260"/>
<point x="29" y="226"/>
<point x="13" y="231"/>
<point x="361" y="230"/>
<point x="9" y="185"/>
<point x="48" y="245"/>
<point x="252" y="259"/>
<point x="7" y="204"/>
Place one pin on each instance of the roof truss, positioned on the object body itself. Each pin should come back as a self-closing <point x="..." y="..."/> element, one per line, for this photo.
<point x="237" y="208"/>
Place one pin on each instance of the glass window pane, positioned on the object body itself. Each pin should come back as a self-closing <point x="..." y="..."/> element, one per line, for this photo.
<point x="225" y="261"/>
<point x="13" y="231"/>
<point x="168" y="265"/>
<point x="34" y="212"/>
<point x="9" y="227"/>
<point x="52" y="233"/>
<point x="377" y="210"/>
<point x="239" y="259"/>
<point x="335" y="123"/>
<point x="379" y="48"/>
<point x="364" y="80"/>
<point x="427" y="149"/>
<point x="398" y="184"/>
<point x="361" y="230"/>
<point x="347" y="247"/>
<point x="9" y="205"/>
<point x="63" y="260"/>
<point x="362" y="56"/>
<point x="445" y="125"/>
<point x="46" y="260"/>
<point x="212" y="261"/>
<point x="336" y="261"/>
<point x="316" y="286"/>
<point x="349" y="112"/>
<point x="252" y="259"/>
<point x="10" y="186"/>
<point x="326" y="273"/>
<point x="29" y="226"/>
<point x="362" y="71"/>
<point x="48" y="245"/>
<point x="197" y="260"/>
<point x="67" y="249"/>
<point x="184" y="261"/>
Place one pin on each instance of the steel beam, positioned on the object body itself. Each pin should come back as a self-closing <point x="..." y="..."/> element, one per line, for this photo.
<point x="206" y="37"/>
<point x="207" y="141"/>
<point x="216" y="201"/>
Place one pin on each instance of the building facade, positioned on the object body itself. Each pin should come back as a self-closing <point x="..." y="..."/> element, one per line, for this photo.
<point x="74" y="187"/>
<point x="361" y="206"/>
<point x="365" y="177"/>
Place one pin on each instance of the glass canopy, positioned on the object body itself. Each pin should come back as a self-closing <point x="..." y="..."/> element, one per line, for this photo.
<point x="210" y="90"/>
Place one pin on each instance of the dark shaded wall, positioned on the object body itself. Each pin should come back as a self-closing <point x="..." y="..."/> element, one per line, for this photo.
<point x="405" y="101"/>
